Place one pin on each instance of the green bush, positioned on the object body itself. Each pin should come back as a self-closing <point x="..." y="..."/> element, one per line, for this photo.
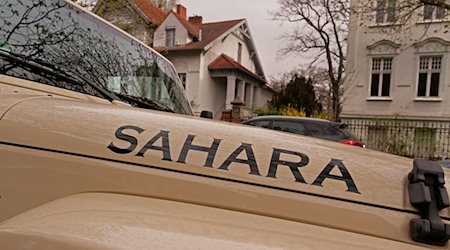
<point x="267" y="111"/>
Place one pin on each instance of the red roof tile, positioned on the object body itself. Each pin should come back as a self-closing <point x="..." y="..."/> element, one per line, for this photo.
<point x="192" y="29"/>
<point x="209" y="32"/>
<point x="226" y="62"/>
<point x="154" y="14"/>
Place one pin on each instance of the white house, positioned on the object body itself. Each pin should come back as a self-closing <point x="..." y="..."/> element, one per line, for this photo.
<point x="398" y="72"/>
<point x="217" y="61"/>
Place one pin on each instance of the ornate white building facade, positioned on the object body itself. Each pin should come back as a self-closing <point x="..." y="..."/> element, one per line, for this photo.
<point x="399" y="71"/>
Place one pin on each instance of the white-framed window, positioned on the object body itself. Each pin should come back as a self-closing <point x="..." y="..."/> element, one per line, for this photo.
<point x="170" y="37"/>
<point x="380" y="83"/>
<point x="429" y="76"/>
<point x="183" y="77"/>
<point x="431" y="12"/>
<point x="385" y="12"/>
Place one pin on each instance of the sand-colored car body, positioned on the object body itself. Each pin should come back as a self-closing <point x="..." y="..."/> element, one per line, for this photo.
<point x="77" y="173"/>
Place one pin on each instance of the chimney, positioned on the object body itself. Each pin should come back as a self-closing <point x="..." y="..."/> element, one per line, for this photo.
<point x="196" y="20"/>
<point x="181" y="10"/>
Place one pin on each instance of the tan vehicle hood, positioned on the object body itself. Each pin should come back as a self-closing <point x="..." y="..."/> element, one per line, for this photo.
<point x="75" y="147"/>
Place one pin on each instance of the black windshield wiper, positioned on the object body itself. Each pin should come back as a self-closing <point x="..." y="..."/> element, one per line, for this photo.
<point x="40" y="66"/>
<point x="143" y="102"/>
<point x="54" y="71"/>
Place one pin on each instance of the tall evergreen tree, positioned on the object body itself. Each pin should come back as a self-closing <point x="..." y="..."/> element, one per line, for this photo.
<point x="299" y="94"/>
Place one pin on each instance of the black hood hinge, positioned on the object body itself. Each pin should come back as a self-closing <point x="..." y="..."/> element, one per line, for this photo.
<point x="428" y="194"/>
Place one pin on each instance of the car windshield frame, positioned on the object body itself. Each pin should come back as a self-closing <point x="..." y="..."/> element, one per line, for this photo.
<point x="88" y="50"/>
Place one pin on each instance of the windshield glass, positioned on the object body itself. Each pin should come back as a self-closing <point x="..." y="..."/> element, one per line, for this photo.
<point x="78" y="44"/>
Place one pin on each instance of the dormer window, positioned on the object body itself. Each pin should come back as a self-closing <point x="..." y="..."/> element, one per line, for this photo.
<point x="170" y="37"/>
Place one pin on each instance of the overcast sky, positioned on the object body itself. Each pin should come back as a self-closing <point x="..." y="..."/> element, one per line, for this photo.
<point x="264" y="30"/>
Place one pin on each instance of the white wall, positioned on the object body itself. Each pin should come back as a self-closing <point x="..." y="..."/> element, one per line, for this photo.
<point x="203" y="91"/>
<point x="181" y="34"/>
<point x="189" y="63"/>
<point x="229" y="46"/>
<point x="403" y="99"/>
<point x="265" y="95"/>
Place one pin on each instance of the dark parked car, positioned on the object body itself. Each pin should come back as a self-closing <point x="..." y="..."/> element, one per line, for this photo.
<point x="318" y="128"/>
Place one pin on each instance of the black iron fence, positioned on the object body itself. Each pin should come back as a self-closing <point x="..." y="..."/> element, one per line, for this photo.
<point x="428" y="139"/>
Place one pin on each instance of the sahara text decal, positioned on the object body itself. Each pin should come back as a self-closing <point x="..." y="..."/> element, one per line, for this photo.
<point x="250" y="160"/>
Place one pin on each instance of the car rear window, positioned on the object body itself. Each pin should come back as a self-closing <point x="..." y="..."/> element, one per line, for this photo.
<point x="316" y="129"/>
<point x="261" y="124"/>
<point x="289" y="126"/>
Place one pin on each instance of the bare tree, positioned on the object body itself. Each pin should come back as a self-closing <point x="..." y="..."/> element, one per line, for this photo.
<point x="320" y="33"/>
<point x="50" y="33"/>
<point x="412" y="5"/>
<point x="88" y="4"/>
<point x="165" y="4"/>
<point x="441" y="3"/>
<point x="162" y="4"/>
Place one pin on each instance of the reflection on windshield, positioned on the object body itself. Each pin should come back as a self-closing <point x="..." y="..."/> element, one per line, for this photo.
<point x="148" y="82"/>
<point x="88" y="50"/>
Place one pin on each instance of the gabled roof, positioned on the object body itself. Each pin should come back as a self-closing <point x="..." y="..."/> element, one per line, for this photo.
<point x="209" y="33"/>
<point x="192" y="29"/>
<point x="226" y="62"/>
<point x="151" y="12"/>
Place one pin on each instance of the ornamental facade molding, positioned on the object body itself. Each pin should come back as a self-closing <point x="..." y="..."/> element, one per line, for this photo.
<point x="432" y="45"/>
<point x="384" y="47"/>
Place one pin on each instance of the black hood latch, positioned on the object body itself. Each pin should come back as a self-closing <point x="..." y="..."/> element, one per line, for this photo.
<point x="428" y="194"/>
